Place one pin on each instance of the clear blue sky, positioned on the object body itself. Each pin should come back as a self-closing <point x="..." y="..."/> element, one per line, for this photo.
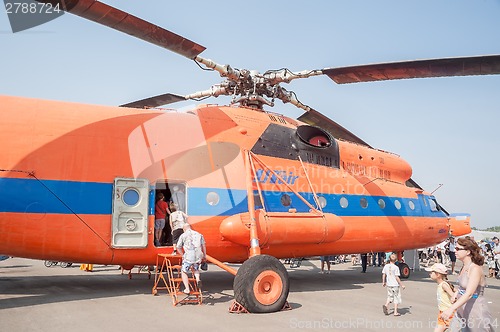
<point x="446" y="128"/>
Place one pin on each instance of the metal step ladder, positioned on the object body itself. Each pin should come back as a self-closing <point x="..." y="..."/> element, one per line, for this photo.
<point x="169" y="266"/>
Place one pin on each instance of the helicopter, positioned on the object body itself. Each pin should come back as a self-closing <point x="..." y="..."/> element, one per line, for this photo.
<point x="82" y="183"/>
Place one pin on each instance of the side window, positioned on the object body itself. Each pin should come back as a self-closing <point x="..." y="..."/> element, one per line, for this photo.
<point x="344" y="202"/>
<point x="286" y="200"/>
<point x="433" y="205"/>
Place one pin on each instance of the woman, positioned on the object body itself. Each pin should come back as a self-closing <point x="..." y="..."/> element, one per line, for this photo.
<point x="471" y="306"/>
<point x="177" y="220"/>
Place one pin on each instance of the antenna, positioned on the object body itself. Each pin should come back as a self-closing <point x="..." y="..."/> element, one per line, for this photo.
<point x="439" y="186"/>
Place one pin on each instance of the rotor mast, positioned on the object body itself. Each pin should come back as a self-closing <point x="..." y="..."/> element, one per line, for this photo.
<point x="250" y="88"/>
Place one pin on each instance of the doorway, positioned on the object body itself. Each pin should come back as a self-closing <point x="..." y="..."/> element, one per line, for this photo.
<point x="174" y="192"/>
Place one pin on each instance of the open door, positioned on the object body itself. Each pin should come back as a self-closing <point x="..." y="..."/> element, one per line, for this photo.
<point x="130" y="213"/>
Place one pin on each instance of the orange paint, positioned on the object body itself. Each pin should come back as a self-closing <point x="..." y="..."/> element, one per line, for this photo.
<point x="51" y="147"/>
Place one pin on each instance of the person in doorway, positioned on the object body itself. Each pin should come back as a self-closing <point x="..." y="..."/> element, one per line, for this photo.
<point x="471" y="305"/>
<point x="390" y="278"/>
<point x="177" y="220"/>
<point x="161" y="212"/>
<point x="192" y="247"/>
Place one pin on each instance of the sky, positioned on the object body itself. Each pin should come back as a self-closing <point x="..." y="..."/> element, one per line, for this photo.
<point x="446" y="128"/>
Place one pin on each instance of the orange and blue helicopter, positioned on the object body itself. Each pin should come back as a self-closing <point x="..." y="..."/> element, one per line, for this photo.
<point x="258" y="185"/>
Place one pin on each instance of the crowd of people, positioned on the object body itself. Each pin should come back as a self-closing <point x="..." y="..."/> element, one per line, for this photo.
<point x="461" y="305"/>
<point x="464" y="308"/>
<point x="445" y="253"/>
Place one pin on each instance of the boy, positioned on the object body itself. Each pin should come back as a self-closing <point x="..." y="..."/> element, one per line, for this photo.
<point x="390" y="278"/>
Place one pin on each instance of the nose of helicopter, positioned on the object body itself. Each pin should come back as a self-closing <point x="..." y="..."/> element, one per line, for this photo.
<point x="459" y="224"/>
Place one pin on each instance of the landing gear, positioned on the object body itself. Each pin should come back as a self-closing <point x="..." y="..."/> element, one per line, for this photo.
<point x="261" y="284"/>
<point x="404" y="270"/>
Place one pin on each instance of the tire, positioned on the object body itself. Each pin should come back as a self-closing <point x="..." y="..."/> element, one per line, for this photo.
<point x="261" y="284"/>
<point x="404" y="270"/>
<point x="64" y="264"/>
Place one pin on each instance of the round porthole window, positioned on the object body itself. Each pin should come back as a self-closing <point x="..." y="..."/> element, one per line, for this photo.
<point x="322" y="201"/>
<point x="411" y="205"/>
<point x="286" y="200"/>
<point x="213" y="198"/>
<point x="397" y="204"/>
<point x="363" y="202"/>
<point x="344" y="202"/>
<point x="381" y="203"/>
<point x="130" y="196"/>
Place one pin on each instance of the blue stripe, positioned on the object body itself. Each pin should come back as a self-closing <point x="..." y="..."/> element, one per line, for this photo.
<point x="31" y="195"/>
<point x="198" y="205"/>
<point x="34" y="196"/>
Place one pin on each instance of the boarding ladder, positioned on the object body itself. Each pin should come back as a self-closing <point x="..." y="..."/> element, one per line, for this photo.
<point x="168" y="276"/>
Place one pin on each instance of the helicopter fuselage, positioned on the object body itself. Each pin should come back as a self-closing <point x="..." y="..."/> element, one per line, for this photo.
<point x="79" y="182"/>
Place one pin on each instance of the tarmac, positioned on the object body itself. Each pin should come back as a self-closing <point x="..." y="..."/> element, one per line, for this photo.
<point x="36" y="298"/>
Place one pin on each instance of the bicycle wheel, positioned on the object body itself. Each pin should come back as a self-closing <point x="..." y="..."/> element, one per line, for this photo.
<point x="49" y="263"/>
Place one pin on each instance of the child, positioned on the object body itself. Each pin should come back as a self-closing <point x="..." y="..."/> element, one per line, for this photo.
<point x="390" y="273"/>
<point x="445" y="293"/>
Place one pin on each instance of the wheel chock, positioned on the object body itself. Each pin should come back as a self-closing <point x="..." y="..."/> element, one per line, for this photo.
<point x="237" y="308"/>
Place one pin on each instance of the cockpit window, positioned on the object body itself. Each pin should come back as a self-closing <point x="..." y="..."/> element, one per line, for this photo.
<point x="433" y="204"/>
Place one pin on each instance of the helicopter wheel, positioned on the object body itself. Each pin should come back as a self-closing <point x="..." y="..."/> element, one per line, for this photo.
<point x="261" y="284"/>
<point x="404" y="270"/>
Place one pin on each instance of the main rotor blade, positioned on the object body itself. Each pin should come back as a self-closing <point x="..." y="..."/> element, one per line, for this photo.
<point x="151" y="102"/>
<point x="122" y="21"/>
<point x="317" y="119"/>
<point x="466" y="66"/>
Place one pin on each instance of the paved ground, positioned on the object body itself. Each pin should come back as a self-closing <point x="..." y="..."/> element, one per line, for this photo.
<point x="36" y="298"/>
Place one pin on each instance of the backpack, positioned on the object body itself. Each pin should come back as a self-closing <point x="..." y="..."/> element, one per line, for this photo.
<point x="177" y="219"/>
<point x="192" y="246"/>
<point x="178" y="216"/>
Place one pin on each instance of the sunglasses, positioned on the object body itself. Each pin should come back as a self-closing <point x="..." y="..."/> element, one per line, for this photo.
<point x="458" y="249"/>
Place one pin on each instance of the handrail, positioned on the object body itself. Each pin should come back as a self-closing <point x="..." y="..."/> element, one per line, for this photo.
<point x="316" y="200"/>
<point x="254" y="236"/>
<point x="286" y="184"/>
